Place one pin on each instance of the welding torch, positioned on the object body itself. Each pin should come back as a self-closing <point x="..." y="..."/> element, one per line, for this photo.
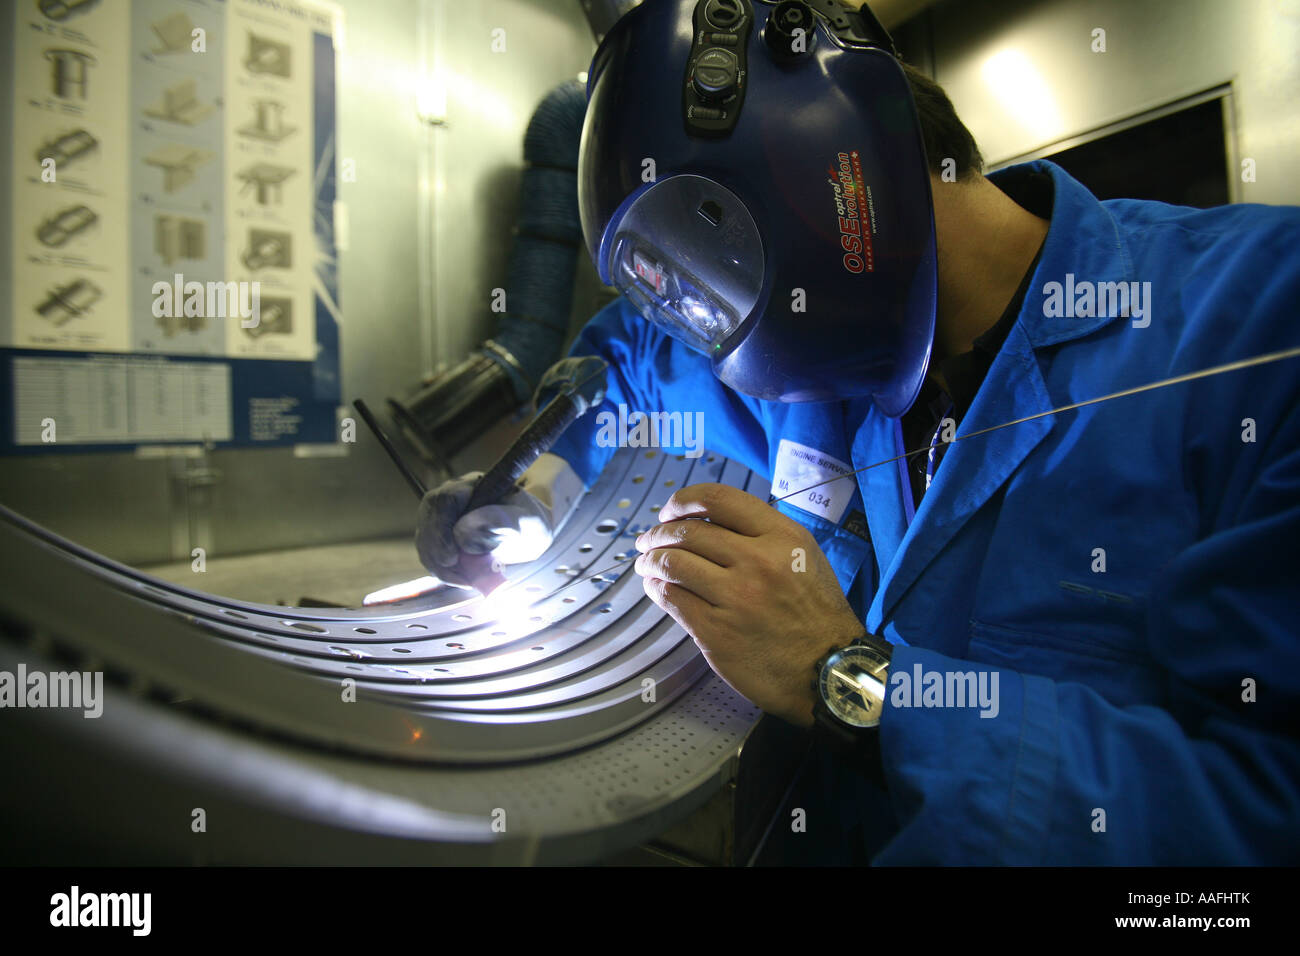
<point x="569" y="389"/>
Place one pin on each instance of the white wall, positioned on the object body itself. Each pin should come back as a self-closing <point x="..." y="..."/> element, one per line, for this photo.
<point x="477" y="159"/>
<point x="1022" y="73"/>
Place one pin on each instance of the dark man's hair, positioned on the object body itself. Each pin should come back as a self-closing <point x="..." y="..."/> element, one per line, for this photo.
<point x="945" y="135"/>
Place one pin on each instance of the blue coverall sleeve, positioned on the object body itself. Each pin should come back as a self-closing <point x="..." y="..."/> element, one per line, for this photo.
<point x="1210" y="777"/>
<point x="649" y="371"/>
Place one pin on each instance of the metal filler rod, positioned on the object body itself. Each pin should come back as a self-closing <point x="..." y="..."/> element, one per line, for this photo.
<point x="1263" y="359"/>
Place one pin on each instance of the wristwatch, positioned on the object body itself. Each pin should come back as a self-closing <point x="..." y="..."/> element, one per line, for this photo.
<point x="850" y="692"/>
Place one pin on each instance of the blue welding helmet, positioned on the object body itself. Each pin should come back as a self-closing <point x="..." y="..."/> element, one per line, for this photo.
<point x="753" y="179"/>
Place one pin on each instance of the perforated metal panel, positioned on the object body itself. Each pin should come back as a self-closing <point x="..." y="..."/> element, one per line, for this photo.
<point x="573" y="704"/>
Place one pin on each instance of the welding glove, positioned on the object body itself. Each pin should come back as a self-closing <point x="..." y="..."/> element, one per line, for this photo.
<point x="518" y="528"/>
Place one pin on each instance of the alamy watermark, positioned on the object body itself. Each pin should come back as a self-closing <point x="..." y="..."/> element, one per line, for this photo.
<point x="75" y="908"/>
<point x="923" y="688"/>
<point x="80" y="690"/>
<point x="212" y="300"/>
<point x="651" y="430"/>
<point x="1083" y="299"/>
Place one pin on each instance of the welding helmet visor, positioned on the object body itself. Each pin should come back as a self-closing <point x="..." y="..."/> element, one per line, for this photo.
<point x="703" y="289"/>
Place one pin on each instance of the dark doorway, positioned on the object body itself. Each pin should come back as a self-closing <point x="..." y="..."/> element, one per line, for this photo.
<point x="1179" y="158"/>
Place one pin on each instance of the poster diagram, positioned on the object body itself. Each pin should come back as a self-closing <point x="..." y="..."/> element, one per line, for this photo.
<point x="171" y="192"/>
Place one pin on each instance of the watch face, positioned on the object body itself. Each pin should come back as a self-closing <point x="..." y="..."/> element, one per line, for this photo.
<point x="848" y="686"/>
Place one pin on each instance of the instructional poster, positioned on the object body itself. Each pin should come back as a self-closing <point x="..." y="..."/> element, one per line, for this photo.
<point x="170" y="268"/>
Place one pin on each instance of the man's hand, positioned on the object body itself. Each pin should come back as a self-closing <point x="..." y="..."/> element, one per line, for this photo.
<point x="732" y="583"/>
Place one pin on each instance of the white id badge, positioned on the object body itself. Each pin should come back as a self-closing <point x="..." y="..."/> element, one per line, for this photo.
<point x="798" y="467"/>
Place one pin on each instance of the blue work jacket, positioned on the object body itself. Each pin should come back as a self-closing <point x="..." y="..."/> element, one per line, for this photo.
<point x="1128" y="568"/>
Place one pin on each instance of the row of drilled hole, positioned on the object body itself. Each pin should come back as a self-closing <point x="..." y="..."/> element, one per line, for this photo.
<point x="304" y="625"/>
<point x="606" y="526"/>
<point x="605" y="608"/>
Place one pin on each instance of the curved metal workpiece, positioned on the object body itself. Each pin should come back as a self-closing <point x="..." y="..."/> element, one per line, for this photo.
<point x="621" y="724"/>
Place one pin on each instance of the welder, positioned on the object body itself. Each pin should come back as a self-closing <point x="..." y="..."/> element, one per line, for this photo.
<point x="1067" y="641"/>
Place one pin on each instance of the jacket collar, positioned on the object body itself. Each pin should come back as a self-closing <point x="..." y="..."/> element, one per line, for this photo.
<point x="1083" y="241"/>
